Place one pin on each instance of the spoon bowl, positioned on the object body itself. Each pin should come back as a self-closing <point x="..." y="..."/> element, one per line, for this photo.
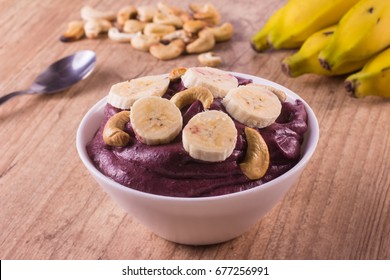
<point x="60" y="75"/>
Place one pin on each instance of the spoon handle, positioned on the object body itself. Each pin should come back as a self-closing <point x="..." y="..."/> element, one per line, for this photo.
<point x="8" y="96"/>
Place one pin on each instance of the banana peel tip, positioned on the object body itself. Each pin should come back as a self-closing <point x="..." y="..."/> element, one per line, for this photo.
<point x="259" y="47"/>
<point x="350" y="87"/>
<point x="286" y="70"/>
<point x="325" y="64"/>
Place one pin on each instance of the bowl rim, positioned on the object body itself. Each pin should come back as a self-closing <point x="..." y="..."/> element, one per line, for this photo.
<point x="97" y="107"/>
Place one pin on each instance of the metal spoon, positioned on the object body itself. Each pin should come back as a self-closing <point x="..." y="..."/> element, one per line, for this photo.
<point x="60" y="75"/>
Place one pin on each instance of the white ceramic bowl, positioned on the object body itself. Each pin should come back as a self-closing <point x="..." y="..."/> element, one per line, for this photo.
<point x="199" y="221"/>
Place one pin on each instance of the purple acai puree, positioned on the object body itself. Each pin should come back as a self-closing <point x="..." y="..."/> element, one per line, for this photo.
<point x="169" y="170"/>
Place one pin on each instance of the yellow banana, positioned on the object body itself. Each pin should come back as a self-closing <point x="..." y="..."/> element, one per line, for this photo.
<point x="306" y="59"/>
<point x="298" y="19"/>
<point x="260" y="40"/>
<point x="362" y="32"/>
<point x="373" y="79"/>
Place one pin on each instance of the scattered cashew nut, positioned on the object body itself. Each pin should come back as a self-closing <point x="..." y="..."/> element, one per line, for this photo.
<point x="223" y="32"/>
<point x="190" y="95"/>
<point x="75" y="31"/>
<point x="196" y="7"/>
<point x="209" y="59"/>
<point x="168" y="19"/>
<point x="88" y="13"/>
<point x="158" y="25"/>
<point x="171" y="10"/>
<point x="94" y="27"/>
<point x="170" y="51"/>
<point x="206" y="12"/>
<point x="158" y="29"/>
<point x="146" y="13"/>
<point x="124" y="14"/>
<point x="168" y="10"/>
<point x="178" y="34"/>
<point x="204" y="43"/>
<point x="194" y="26"/>
<point x="256" y="161"/>
<point x="133" y="26"/>
<point x="115" y="35"/>
<point x="143" y="42"/>
<point x="113" y="133"/>
<point x="185" y="16"/>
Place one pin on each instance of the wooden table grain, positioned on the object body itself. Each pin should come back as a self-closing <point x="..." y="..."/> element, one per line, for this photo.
<point x="51" y="208"/>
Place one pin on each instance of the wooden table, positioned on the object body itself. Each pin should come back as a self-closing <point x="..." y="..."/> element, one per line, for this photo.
<point x="51" y="208"/>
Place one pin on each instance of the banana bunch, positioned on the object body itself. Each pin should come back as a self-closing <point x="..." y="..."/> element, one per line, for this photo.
<point x="334" y="38"/>
<point x="306" y="59"/>
<point x="291" y="25"/>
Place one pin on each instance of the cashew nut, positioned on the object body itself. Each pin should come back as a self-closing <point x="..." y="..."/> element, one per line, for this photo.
<point x="223" y="32"/>
<point x="190" y="95"/>
<point x="133" y="26"/>
<point x="194" y="26"/>
<point x="158" y="29"/>
<point x="113" y="133"/>
<point x="115" y="35"/>
<point x="178" y="34"/>
<point x="196" y="7"/>
<point x="168" y="19"/>
<point x="176" y="73"/>
<point x="168" y="10"/>
<point x="184" y="16"/>
<point x="170" y="51"/>
<point x="94" y="27"/>
<point x="146" y="13"/>
<point x="204" y="43"/>
<point x="88" y="13"/>
<point x="75" y="31"/>
<point x="206" y="12"/>
<point x="125" y="14"/>
<point x="209" y="59"/>
<point x="257" y="156"/>
<point x="143" y="42"/>
<point x="105" y="25"/>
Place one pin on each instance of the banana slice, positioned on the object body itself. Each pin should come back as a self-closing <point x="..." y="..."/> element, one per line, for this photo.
<point x="210" y="136"/>
<point x="155" y="120"/>
<point x="123" y="95"/>
<point x="252" y="105"/>
<point x="257" y="157"/>
<point x="217" y="81"/>
<point x="279" y="93"/>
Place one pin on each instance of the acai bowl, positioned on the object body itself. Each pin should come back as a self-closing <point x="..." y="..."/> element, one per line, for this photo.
<point x="198" y="216"/>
